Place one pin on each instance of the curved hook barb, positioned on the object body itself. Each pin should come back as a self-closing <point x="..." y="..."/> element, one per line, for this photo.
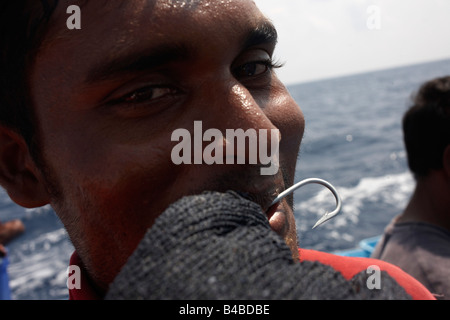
<point x="327" y="216"/>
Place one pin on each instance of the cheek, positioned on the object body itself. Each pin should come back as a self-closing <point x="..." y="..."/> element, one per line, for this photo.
<point x="114" y="181"/>
<point x="135" y="199"/>
<point x="131" y="182"/>
<point x="114" y="207"/>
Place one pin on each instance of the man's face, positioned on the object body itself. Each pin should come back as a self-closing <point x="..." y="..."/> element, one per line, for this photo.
<point x="109" y="96"/>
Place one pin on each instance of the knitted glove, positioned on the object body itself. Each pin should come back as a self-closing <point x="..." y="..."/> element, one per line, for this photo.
<point x="220" y="246"/>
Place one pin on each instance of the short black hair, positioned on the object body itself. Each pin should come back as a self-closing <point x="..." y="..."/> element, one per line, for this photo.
<point x="426" y="127"/>
<point x="23" y="26"/>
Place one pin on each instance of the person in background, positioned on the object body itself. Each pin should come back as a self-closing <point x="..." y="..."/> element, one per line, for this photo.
<point x="2" y="251"/>
<point x="418" y="240"/>
<point x="8" y="231"/>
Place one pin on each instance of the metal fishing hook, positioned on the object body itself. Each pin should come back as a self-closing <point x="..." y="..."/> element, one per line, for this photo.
<point x="327" y="216"/>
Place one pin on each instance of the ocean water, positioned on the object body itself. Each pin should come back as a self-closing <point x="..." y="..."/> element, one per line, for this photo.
<point x="353" y="139"/>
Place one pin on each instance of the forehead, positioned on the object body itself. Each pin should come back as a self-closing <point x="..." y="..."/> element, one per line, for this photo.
<point x="114" y="28"/>
<point x="155" y="19"/>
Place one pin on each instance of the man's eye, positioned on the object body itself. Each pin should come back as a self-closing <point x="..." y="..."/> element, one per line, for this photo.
<point x="146" y="94"/>
<point x="252" y="69"/>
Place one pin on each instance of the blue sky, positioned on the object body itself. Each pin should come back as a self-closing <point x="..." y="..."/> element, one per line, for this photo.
<point x="328" y="38"/>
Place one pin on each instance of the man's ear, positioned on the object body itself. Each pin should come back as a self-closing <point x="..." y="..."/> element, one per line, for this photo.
<point x="18" y="173"/>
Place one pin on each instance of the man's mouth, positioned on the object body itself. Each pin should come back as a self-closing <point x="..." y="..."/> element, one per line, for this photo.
<point x="275" y="213"/>
<point x="262" y="191"/>
<point x="277" y="218"/>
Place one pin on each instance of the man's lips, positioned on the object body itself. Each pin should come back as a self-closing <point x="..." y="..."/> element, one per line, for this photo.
<point x="277" y="218"/>
<point x="272" y="210"/>
<point x="264" y="191"/>
<point x="275" y="213"/>
<point x="264" y="199"/>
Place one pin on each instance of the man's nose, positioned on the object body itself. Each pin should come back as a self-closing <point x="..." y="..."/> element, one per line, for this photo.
<point x="236" y="108"/>
<point x="249" y="136"/>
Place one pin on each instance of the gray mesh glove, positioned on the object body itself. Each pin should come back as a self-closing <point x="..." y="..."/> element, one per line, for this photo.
<point x="220" y="246"/>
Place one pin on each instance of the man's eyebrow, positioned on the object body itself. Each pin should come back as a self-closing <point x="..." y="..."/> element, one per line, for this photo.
<point x="264" y="33"/>
<point x="148" y="59"/>
<point x="137" y="61"/>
